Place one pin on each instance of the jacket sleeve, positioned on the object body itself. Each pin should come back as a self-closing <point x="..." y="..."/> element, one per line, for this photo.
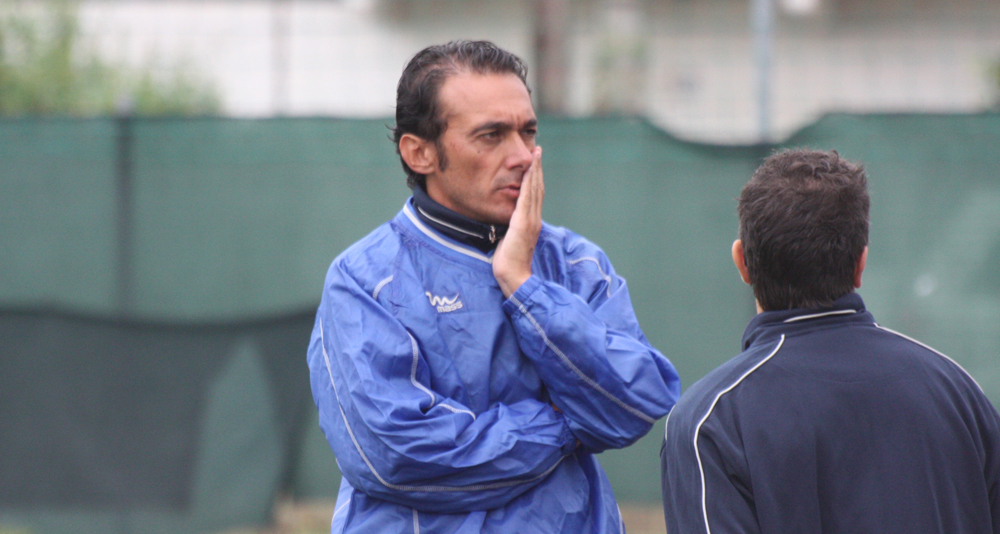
<point x="597" y="365"/>
<point x="398" y="439"/>
<point x="989" y="423"/>
<point x="704" y="487"/>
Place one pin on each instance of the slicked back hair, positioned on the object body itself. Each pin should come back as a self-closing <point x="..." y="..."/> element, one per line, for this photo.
<point x="804" y="225"/>
<point x="418" y="111"/>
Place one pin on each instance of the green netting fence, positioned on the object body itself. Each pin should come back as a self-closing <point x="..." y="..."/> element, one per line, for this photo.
<point x="158" y="277"/>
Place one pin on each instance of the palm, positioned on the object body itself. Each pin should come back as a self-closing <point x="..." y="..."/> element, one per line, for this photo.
<point x="512" y="260"/>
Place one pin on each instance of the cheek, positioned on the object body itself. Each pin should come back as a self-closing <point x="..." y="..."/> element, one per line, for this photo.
<point x="469" y="162"/>
<point x="465" y="156"/>
<point x="478" y="160"/>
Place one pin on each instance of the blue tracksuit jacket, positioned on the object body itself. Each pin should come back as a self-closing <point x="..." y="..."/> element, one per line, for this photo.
<point x="828" y="423"/>
<point x="452" y="409"/>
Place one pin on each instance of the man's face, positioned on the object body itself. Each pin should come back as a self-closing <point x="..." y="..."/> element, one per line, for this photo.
<point x="487" y="145"/>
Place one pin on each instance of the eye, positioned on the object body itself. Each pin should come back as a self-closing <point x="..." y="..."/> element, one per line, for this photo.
<point x="492" y="137"/>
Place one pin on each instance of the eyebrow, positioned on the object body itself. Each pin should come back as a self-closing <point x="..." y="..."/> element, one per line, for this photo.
<point x="501" y="125"/>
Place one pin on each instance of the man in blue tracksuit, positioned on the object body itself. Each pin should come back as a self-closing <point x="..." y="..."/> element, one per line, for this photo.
<point x="468" y="360"/>
<point x="826" y="422"/>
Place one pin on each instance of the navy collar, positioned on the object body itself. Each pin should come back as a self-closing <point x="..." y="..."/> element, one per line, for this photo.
<point x="457" y="227"/>
<point x="849" y="305"/>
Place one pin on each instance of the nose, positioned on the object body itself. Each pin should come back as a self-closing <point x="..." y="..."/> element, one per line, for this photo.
<point x="520" y="156"/>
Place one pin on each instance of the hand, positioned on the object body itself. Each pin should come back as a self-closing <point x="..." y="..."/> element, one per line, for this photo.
<point x="512" y="259"/>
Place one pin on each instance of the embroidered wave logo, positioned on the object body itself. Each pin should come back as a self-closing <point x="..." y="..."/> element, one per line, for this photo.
<point x="444" y="304"/>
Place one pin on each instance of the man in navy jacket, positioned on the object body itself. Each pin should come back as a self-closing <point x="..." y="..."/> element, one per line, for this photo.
<point x="468" y="360"/>
<point x="826" y="422"/>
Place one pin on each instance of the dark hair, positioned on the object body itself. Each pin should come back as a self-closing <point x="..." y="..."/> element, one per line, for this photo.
<point x="804" y="224"/>
<point x="417" y="108"/>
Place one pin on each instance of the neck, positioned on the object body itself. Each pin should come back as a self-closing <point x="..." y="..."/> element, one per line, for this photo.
<point x="460" y="228"/>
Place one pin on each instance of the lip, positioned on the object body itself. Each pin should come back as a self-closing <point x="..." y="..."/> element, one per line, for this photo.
<point x="513" y="190"/>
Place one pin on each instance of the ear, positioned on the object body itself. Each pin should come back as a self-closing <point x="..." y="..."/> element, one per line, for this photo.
<point x="740" y="261"/>
<point x="418" y="153"/>
<point x="860" y="268"/>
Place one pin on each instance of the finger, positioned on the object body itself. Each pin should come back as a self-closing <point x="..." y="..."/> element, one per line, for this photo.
<point x="530" y="182"/>
<point x="527" y="210"/>
<point x="526" y="200"/>
<point x="523" y="205"/>
<point x="538" y="183"/>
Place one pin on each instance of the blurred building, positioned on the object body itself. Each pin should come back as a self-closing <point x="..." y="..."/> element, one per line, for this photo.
<point x="689" y="66"/>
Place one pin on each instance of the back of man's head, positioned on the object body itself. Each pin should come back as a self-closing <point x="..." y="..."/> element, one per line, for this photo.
<point x="804" y="225"/>
<point x="417" y="108"/>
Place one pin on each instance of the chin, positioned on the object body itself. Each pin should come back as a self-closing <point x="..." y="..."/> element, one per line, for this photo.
<point x="499" y="221"/>
<point x="501" y="217"/>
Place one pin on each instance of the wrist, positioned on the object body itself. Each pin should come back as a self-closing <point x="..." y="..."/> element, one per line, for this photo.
<point x="510" y="282"/>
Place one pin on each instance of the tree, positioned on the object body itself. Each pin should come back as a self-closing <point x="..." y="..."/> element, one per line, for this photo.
<point x="46" y="68"/>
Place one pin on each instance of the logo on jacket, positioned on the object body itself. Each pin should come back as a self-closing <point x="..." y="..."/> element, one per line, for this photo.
<point x="443" y="304"/>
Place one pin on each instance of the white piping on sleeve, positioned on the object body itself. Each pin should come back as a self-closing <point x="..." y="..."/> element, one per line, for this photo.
<point x="815" y="315"/>
<point x="416" y="521"/>
<point x="935" y="351"/>
<point x="341" y="509"/>
<point x="428" y="489"/>
<point x="430" y="233"/>
<point x="413" y="371"/>
<point x="380" y="286"/>
<point x="413" y="379"/>
<point x="666" y="425"/>
<point x="589" y="381"/>
<point x="697" y="428"/>
<point x="605" y="276"/>
<point x="458" y="410"/>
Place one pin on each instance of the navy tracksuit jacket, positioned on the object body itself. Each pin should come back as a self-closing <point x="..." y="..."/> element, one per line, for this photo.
<point x="828" y="423"/>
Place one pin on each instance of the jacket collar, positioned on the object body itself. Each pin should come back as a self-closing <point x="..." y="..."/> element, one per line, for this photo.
<point x="849" y="305"/>
<point x="475" y="234"/>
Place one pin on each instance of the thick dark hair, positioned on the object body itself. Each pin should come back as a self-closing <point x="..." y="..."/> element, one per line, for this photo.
<point x="417" y="109"/>
<point x="804" y="224"/>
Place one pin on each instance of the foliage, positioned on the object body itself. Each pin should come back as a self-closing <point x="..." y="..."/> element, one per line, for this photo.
<point x="46" y="68"/>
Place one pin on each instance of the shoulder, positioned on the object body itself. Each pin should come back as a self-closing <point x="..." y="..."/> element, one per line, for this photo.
<point x="567" y="243"/>
<point x="928" y="363"/>
<point x="558" y="245"/>
<point x="726" y="388"/>
<point x="369" y="260"/>
<point x="574" y="262"/>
